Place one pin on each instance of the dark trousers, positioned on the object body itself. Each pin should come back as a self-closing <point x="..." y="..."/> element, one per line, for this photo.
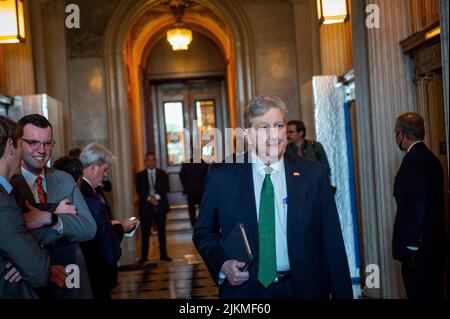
<point x="424" y="279"/>
<point x="192" y="201"/>
<point x="148" y="214"/>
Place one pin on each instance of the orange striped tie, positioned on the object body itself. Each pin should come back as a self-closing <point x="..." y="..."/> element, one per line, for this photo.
<point x="58" y="275"/>
<point x="42" y="195"/>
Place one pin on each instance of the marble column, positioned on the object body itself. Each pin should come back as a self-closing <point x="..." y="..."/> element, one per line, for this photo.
<point x="384" y="85"/>
<point x="444" y="17"/>
<point x="369" y="247"/>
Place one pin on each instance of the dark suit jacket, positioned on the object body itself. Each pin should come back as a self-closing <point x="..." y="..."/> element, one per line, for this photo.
<point x="192" y="176"/>
<point x="316" y="249"/>
<point x="103" y="252"/>
<point x="161" y="188"/>
<point x="19" y="248"/>
<point x="419" y="194"/>
<point x="89" y="192"/>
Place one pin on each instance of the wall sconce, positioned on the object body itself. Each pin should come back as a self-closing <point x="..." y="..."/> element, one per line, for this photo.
<point x="12" y="21"/>
<point x="332" y="11"/>
<point x="179" y="37"/>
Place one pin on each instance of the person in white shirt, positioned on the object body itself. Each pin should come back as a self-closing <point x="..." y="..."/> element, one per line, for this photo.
<point x="152" y="186"/>
<point x="287" y="208"/>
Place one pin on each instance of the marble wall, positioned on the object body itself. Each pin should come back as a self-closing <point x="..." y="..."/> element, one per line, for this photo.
<point x="86" y="73"/>
<point x="88" y="102"/>
<point x="275" y="55"/>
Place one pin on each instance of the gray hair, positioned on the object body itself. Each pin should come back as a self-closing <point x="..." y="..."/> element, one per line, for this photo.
<point x="95" y="154"/>
<point x="412" y="125"/>
<point x="260" y="106"/>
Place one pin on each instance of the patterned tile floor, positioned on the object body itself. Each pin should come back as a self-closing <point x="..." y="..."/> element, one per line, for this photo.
<point x="186" y="277"/>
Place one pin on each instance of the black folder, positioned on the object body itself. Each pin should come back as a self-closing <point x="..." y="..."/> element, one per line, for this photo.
<point x="236" y="246"/>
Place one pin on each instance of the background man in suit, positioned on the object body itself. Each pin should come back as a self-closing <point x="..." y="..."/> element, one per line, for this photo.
<point x="103" y="252"/>
<point x="39" y="184"/>
<point x="419" y="239"/>
<point x="152" y="185"/>
<point x="287" y="207"/>
<point x="298" y="144"/>
<point x="23" y="263"/>
<point x="192" y="176"/>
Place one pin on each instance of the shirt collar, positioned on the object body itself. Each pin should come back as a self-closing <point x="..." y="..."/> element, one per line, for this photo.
<point x="6" y="185"/>
<point x="30" y="177"/>
<point x="87" y="181"/>
<point x="260" y="166"/>
<point x="411" y="146"/>
<point x="151" y="170"/>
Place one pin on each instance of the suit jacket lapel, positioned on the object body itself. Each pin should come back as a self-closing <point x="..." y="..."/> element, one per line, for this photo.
<point x="297" y="190"/>
<point x="147" y="182"/>
<point x="52" y="186"/>
<point x="244" y="176"/>
<point x="21" y="190"/>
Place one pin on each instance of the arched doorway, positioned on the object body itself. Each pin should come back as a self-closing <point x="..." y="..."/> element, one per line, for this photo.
<point x="183" y="91"/>
<point x="134" y="29"/>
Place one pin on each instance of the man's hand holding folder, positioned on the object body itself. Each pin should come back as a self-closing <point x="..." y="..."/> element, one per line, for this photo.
<point x="239" y="255"/>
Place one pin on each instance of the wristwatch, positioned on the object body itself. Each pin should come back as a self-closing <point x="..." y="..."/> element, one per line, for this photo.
<point x="54" y="219"/>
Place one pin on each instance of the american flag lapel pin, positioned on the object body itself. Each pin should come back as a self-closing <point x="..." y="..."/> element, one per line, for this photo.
<point x="296" y="174"/>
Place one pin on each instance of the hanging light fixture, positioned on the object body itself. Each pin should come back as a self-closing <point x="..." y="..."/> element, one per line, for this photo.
<point x="12" y="21"/>
<point x="332" y="11"/>
<point x="179" y="36"/>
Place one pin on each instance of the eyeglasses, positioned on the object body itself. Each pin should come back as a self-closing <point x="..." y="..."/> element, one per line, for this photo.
<point x="48" y="145"/>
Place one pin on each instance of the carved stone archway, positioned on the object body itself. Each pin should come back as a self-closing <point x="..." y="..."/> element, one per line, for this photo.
<point x="123" y="109"/>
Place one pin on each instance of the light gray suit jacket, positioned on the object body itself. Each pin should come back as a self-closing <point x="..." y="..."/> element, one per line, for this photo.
<point x="18" y="247"/>
<point x="60" y="185"/>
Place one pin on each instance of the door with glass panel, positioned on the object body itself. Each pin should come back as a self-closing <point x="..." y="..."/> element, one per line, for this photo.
<point x="186" y="111"/>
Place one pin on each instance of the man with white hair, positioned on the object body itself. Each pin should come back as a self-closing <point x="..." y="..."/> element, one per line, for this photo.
<point x="287" y="208"/>
<point x="96" y="160"/>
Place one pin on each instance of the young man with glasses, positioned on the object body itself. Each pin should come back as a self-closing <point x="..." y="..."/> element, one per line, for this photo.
<point x="40" y="184"/>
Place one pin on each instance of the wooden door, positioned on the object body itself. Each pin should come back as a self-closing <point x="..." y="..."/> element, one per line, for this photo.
<point x="181" y="108"/>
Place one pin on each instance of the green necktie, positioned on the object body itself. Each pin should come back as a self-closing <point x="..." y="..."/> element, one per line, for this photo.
<point x="267" y="253"/>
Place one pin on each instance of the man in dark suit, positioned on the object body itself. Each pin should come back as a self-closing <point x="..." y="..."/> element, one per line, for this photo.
<point x="24" y="264"/>
<point x="192" y="176"/>
<point x="152" y="186"/>
<point x="419" y="239"/>
<point x="39" y="184"/>
<point x="287" y="208"/>
<point x="103" y="252"/>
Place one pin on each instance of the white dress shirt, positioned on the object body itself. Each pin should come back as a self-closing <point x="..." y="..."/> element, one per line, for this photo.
<point x="278" y="178"/>
<point x="151" y="173"/>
